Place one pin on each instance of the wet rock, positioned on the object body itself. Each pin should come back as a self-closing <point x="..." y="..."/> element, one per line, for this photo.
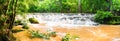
<point x="64" y="18"/>
<point x="33" y="20"/>
<point x="82" y="19"/>
<point x="71" y="18"/>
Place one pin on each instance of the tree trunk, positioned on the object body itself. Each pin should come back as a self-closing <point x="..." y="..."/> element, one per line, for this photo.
<point x="6" y="35"/>
<point x="7" y="19"/>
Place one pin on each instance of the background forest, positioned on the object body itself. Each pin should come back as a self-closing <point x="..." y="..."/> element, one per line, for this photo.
<point x="68" y="6"/>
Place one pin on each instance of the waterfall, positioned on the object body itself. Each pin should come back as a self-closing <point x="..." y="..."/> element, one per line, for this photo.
<point x="64" y="19"/>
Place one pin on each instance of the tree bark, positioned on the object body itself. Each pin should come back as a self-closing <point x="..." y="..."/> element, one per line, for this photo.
<point x="7" y="19"/>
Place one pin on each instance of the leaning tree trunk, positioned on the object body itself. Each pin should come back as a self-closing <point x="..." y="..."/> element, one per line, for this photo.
<point x="7" y="16"/>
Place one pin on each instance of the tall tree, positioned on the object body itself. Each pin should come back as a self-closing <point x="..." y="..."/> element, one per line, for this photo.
<point x="7" y="16"/>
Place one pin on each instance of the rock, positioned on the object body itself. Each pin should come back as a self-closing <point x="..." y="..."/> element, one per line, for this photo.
<point x="33" y="20"/>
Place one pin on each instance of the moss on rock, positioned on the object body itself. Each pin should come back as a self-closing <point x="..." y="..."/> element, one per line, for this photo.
<point x="33" y="20"/>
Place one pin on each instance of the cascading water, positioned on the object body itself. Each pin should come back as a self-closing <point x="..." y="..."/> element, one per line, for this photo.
<point x="65" y="19"/>
<point x="55" y="21"/>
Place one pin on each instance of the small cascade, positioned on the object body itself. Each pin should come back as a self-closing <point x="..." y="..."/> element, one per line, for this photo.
<point x="65" y="19"/>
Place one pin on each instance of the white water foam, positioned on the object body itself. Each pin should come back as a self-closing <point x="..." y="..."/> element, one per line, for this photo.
<point x="64" y="19"/>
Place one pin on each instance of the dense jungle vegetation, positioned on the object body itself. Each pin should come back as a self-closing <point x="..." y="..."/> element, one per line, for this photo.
<point x="68" y="6"/>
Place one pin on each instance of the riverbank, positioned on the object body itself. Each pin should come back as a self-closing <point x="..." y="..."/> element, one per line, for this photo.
<point x="86" y="33"/>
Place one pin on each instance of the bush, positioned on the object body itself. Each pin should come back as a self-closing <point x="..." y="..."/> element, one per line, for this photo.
<point x="42" y="35"/>
<point x="25" y="26"/>
<point x="68" y="37"/>
<point x="18" y="22"/>
<point x="115" y="20"/>
<point x="103" y="17"/>
<point x="39" y="35"/>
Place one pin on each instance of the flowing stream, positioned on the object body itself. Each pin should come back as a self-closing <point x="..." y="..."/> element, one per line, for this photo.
<point x="61" y="22"/>
<point x="64" y="19"/>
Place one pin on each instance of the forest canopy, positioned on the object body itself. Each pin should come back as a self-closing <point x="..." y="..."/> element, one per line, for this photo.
<point x="68" y="6"/>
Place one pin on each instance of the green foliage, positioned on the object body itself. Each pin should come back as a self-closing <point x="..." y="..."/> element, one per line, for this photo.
<point x="106" y="18"/>
<point x="68" y="37"/>
<point x="15" y="31"/>
<point x="7" y="16"/>
<point x="25" y="26"/>
<point x="53" y="34"/>
<point x="47" y="6"/>
<point x="25" y="5"/>
<point x="2" y="21"/>
<point x="42" y="35"/>
<point x="33" y="20"/>
<point x="115" y="20"/>
<point x="103" y="17"/>
<point x="67" y="6"/>
<point x="39" y="35"/>
<point x="70" y="6"/>
<point x="116" y="5"/>
<point x="18" y="22"/>
<point x="94" y="5"/>
<point x="7" y="13"/>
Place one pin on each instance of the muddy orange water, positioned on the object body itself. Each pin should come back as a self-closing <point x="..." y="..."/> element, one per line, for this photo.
<point x="86" y="33"/>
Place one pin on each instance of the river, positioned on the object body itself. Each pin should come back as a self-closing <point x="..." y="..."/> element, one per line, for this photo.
<point x="81" y="25"/>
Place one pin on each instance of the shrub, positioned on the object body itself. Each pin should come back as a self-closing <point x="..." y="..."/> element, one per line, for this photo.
<point x="68" y="37"/>
<point x="18" y="22"/>
<point x="115" y="20"/>
<point x="103" y="17"/>
<point x="39" y="35"/>
<point x="42" y="35"/>
<point x="25" y="26"/>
